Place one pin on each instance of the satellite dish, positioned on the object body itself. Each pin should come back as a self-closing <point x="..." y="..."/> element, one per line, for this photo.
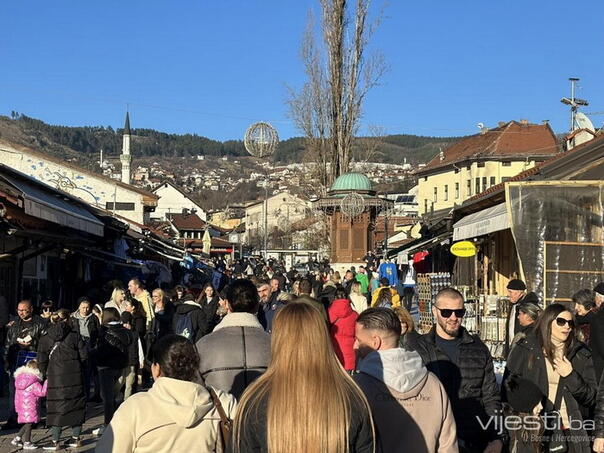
<point x="583" y="122"/>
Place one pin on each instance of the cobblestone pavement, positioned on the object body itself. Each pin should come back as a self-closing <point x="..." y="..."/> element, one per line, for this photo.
<point x="94" y="418"/>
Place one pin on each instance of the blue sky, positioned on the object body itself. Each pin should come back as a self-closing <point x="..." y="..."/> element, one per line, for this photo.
<point x="214" y="67"/>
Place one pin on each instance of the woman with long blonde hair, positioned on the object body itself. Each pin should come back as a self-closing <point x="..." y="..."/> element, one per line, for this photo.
<point x="305" y="401"/>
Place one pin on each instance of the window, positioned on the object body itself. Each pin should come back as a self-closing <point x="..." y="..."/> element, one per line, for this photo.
<point x="456" y="190"/>
<point x="425" y="178"/>
<point x="468" y="167"/>
<point x="426" y="205"/>
<point x="480" y="164"/>
<point x="119" y="206"/>
<point x="435" y="194"/>
<point x="477" y="186"/>
<point x="484" y="183"/>
<point x="446" y="196"/>
<point x="506" y="164"/>
<point x="504" y="179"/>
<point x="469" y="187"/>
<point x="492" y="181"/>
<point x="457" y="170"/>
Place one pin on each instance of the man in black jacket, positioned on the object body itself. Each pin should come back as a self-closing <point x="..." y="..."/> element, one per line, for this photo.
<point x="464" y="365"/>
<point x="21" y="337"/>
<point x="190" y="320"/>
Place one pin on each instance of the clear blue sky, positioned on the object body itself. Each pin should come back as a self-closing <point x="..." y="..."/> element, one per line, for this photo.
<point x="212" y="67"/>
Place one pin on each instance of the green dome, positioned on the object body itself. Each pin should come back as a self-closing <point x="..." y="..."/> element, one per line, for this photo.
<point x="352" y="182"/>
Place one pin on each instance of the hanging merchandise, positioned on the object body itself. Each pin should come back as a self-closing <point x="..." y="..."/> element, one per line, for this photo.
<point x="187" y="262"/>
<point x="421" y="262"/>
<point x="388" y="270"/>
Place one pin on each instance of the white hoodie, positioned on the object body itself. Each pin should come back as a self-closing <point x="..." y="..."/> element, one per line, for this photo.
<point x="398" y="368"/>
<point x="173" y="416"/>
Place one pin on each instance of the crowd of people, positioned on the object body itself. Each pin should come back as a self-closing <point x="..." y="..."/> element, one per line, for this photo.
<point x="260" y="359"/>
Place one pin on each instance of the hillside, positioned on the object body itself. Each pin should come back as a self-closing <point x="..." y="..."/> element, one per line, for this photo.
<point x="84" y="143"/>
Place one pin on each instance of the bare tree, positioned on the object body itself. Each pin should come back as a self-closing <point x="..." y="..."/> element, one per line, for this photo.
<point x="339" y="75"/>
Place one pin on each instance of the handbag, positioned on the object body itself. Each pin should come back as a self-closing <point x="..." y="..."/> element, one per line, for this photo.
<point x="226" y="424"/>
<point x="556" y="440"/>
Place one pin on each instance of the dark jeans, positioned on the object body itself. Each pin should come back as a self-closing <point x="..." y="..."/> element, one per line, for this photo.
<point x="108" y="380"/>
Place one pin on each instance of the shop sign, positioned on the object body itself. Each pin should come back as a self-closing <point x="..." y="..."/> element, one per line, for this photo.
<point x="463" y="249"/>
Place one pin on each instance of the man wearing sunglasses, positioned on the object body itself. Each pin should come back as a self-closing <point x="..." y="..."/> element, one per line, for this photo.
<point x="464" y="365"/>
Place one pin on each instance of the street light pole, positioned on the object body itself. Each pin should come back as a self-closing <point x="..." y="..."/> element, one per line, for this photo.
<point x="266" y="218"/>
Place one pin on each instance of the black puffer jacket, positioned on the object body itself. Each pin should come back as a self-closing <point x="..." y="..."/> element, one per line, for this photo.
<point x="20" y="329"/>
<point x="599" y="417"/>
<point x="471" y="385"/>
<point x="112" y="349"/>
<point x="60" y="357"/>
<point x="527" y="361"/>
<point x="595" y="319"/>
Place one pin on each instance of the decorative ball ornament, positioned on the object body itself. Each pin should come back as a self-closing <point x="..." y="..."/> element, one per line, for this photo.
<point x="261" y="139"/>
<point x="352" y="205"/>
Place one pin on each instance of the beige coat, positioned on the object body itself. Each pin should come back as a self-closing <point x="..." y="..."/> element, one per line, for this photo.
<point x="173" y="416"/>
<point x="411" y="409"/>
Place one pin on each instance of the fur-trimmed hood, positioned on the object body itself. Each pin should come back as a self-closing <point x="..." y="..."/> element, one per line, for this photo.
<point x="25" y="376"/>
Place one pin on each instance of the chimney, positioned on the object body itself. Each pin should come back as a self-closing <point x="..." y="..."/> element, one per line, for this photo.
<point x="524" y="122"/>
<point x="501" y="123"/>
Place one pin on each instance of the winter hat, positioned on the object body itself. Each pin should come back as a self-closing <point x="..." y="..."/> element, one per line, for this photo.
<point x="516" y="284"/>
<point x="600" y="288"/>
<point x="523" y="395"/>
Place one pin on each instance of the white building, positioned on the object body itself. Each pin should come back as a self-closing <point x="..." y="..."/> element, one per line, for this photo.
<point x="283" y="210"/>
<point x="98" y="190"/>
<point x="173" y="200"/>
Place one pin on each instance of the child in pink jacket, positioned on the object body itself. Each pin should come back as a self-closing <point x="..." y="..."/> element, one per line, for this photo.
<point x="28" y="392"/>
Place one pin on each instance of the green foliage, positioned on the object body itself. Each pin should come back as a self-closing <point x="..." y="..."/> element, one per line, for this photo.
<point x="148" y="142"/>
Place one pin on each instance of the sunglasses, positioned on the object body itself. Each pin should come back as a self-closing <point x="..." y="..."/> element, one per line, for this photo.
<point x="561" y="322"/>
<point x="447" y="312"/>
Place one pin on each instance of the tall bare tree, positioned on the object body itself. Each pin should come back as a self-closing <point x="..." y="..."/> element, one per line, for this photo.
<point x="328" y="107"/>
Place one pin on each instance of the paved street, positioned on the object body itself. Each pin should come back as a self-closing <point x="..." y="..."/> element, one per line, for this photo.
<point x="42" y="436"/>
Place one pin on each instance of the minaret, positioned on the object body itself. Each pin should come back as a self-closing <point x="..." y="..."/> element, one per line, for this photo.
<point x="126" y="158"/>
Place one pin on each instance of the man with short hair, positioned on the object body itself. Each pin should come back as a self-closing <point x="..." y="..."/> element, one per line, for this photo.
<point x="238" y="350"/>
<point x="410" y="407"/>
<point x="270" y="302"/>
<point x="21" y="344"/>
<point x="304" y="289"/>
<point x="142" y="295"/>
<point x="464" y="365"/>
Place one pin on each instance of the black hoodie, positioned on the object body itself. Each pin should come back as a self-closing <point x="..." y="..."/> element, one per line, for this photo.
<point x="198" y="319"/>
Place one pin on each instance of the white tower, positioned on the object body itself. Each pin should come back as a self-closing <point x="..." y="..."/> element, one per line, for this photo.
<point x="126" y="158"/>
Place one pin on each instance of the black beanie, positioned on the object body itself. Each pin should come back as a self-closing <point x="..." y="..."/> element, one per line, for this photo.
<point x="516" y="284"/>
<point x="600" y="288"/>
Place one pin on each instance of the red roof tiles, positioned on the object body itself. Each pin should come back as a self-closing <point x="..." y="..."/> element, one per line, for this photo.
<point x="511" y="140"/>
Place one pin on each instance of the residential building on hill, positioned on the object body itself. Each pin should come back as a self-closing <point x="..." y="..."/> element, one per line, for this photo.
<point x="282" y="210"/>
<point x="173" y="200"/>
<point x="473" y="164"/>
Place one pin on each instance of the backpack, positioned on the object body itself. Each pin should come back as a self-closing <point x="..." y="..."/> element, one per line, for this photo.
<point x="184" y="326"/>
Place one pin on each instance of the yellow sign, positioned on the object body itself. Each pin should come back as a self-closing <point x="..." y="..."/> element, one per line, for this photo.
<point x="463" y="249"/>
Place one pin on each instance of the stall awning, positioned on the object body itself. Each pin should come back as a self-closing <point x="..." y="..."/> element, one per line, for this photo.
<point x="421" y="244"/>
<point x="482" y="222"/>
<point x="44" y="205"/>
